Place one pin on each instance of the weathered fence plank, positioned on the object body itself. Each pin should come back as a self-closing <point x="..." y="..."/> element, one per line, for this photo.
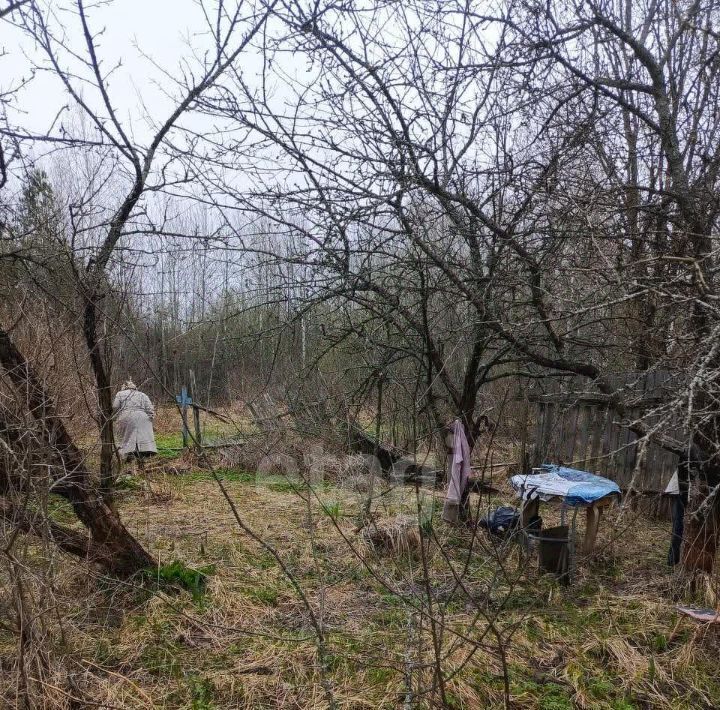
<point x="579" y="428"/>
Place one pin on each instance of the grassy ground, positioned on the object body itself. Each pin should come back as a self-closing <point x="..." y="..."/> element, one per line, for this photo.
<point x="238" y="635"/>
<point x="612" y="640"/>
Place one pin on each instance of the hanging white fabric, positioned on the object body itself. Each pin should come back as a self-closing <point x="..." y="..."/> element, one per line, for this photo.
<point x="459" y="473"/>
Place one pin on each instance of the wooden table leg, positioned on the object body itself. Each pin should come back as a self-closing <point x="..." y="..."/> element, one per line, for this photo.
<point x="593" y="521"/>
<point x="529" y="511"/>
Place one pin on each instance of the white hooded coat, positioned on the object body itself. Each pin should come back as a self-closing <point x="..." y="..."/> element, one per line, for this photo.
<point x="134" y="413"/>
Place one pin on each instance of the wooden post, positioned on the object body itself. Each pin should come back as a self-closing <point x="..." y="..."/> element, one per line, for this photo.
<point x="449" y="440"/>
<point x="184" y="400"/>
<point x="196" y="412"/>
<point x="196" y="422"/>
<point x="523" y="462"/>
<point x="594" y="513"/>
<point x="529" y="510"/>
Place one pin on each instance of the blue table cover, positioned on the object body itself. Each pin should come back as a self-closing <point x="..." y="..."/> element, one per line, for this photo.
<point x="577" y="488"/>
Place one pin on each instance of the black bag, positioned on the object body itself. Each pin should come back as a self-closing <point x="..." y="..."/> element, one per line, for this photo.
<point x="501" y="521"/>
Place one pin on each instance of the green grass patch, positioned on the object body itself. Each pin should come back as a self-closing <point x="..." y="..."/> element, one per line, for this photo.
<point x="381" y="675"/>
<point x="264" y="595"/>
<point x="60" y="510"/>
<point x="231" y="475"/>
<point x="284" y="486"/>
<point x="168" y="445"/>
<point x="178" y="574"/>
<point x="259" y="560"/>
<point x="162" y="659"/>
<point x="548" y="696"/>
<point x="128" y="483"/>
<point x="332" y="509"/>
<point x="202" y="691"/>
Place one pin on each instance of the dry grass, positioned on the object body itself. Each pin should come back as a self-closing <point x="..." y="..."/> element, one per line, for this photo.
<point x="399" y="536"/>
<point x="612" y="640"/>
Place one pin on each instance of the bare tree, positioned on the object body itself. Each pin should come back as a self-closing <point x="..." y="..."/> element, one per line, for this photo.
<point x="652" y="73"/>
<point x="95" y="230"/>
<point x="547" y="175"/>
<point x="380" y="210"/>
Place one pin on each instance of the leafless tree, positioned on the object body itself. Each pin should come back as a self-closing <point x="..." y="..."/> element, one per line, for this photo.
<point x="140" y="168"/>
<point x="531" y="189"/>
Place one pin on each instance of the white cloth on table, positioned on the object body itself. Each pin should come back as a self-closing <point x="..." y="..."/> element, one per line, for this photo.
<point x="134" y="413"/>
<point x="543" y="486"/>
<point x="573" y="486"/>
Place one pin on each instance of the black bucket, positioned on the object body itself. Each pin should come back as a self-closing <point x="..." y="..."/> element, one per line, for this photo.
<point x="554" y="551"/>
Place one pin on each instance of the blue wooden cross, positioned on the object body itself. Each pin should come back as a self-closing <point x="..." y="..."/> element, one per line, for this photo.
<point x="184" y="400"/>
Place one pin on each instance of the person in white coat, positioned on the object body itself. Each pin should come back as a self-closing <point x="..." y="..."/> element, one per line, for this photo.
<point x="134" y="414"/>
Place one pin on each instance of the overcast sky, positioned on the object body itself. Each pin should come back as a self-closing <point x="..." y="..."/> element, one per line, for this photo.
<point x="167" y="31"/>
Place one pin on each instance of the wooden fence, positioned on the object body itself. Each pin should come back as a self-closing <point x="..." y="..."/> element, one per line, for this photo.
<point x="581" y="430"/>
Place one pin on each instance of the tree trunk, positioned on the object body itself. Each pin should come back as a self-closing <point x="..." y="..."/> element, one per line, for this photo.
<point x="113" y="547"/>
<point x="102" y="381"/>
<point x="702" y="526"/>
